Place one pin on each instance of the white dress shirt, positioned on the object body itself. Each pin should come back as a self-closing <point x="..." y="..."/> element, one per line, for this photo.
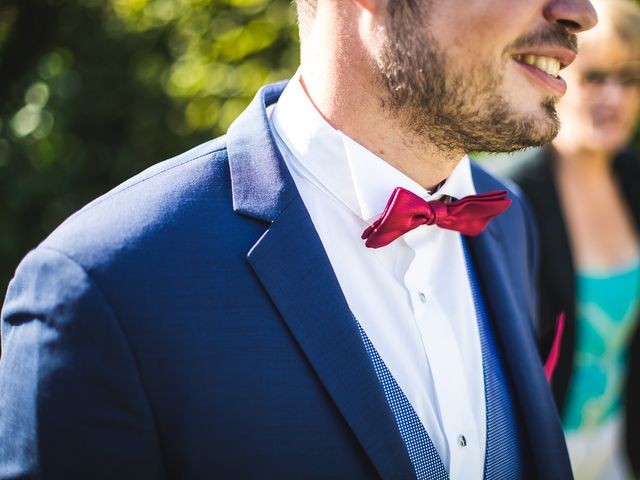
<point x="411" y="297"/>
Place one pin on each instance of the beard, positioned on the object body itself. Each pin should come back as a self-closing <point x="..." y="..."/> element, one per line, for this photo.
<point x="453" y="108"/>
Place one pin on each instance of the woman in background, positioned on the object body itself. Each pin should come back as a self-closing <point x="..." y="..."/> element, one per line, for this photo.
<point x="585" y="192"/>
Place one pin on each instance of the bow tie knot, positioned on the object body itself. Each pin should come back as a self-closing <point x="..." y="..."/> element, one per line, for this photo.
<point x="438" y="210"/>
<point x="406" y="211"/>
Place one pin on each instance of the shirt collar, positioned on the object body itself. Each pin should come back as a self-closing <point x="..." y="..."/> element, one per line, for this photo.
<point x="343" y="168"/>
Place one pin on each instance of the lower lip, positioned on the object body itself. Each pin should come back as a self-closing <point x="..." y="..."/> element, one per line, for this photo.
<point x="556" y="84"/>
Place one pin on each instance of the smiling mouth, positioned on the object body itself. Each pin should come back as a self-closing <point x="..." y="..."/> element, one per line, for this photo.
<point x="549" y="65"/>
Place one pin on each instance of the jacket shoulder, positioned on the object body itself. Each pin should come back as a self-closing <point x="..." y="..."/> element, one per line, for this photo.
<point x="528" y="169"/>
<point x="491" y="182"/>
<point x="168" y="201"/>
<point x="162" y="173"/>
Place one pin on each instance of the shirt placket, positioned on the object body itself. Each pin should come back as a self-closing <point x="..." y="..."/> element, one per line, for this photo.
<point x="444" y="357"/>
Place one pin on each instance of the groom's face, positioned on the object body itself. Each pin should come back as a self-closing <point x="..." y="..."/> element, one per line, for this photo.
<point x="479" y="74"/>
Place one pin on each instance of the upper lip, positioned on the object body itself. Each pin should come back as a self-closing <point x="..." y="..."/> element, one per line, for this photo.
<point x="563" y="55"/>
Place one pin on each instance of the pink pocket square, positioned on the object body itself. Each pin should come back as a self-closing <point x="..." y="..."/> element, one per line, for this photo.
<point x="554" y="353"/>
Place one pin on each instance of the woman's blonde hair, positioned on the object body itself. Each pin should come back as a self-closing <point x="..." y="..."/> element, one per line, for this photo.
<point x="619" y="19"/>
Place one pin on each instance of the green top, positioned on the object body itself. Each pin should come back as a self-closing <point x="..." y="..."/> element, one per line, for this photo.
<point x="607" y="313"/>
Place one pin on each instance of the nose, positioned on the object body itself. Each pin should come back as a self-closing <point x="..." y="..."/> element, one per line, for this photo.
<point x="612" y="93"/>
<point x="574" y="15"/>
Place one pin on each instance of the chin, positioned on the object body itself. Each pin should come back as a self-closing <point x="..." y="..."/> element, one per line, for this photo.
<point x="545" y="127"/>
<point x="609" y="148"/>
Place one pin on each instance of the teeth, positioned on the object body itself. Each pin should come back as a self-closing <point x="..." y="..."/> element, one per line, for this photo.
<point x="546" y="64"/>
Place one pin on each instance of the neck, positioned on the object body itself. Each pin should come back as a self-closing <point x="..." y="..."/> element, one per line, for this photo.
<point x="339" y="81"/>
<point x="583" y="165"/>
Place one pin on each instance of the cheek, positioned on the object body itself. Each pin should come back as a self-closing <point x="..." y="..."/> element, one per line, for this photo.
<point x="634" y="107"/>
<point x="611" y="125"/>
<point x="480" y="29"/>
<point x="574" y="105"/>
<point x="617" y="111"/>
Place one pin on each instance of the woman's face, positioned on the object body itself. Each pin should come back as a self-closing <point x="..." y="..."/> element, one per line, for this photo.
<point x="602" y="103"/>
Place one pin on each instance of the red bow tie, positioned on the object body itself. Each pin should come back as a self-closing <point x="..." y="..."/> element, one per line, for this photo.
<point x="406" y="211"/>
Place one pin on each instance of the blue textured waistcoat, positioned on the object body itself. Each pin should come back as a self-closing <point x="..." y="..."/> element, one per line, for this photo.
<point x="505" y="455"/>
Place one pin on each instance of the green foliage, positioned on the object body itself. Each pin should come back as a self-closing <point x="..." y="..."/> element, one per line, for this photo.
<point x="93" y="91"/>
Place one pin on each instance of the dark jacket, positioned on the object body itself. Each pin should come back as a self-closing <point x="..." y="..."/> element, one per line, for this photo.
<point x="557" y="276"/>
<point x="189" y="324"/>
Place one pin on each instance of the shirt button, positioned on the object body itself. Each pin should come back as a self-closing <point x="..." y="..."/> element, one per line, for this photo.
<point x="423" y="297"/>
<point x="462" y="441"/>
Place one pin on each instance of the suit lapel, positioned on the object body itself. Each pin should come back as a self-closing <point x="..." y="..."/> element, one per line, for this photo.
<point x="510" y="311"/>
<point x="291" y="264"/>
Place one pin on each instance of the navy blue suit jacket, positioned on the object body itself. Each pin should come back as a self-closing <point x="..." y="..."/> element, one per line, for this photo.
<point x="188" y="324"/>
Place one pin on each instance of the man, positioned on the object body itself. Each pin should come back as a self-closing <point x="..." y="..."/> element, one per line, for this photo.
<point x="219" y="316"/>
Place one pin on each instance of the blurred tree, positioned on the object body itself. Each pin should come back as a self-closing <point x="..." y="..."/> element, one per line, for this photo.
<point x="93" y="91"/>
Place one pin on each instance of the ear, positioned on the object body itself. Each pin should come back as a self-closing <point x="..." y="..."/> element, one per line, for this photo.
<point x="372" y="6"/>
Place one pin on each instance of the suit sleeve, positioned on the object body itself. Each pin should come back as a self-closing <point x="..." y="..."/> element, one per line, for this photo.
<point x="72" y="403"/>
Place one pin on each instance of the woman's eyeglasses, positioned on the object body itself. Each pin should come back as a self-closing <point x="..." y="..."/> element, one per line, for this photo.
<point x="626" y="77"/>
